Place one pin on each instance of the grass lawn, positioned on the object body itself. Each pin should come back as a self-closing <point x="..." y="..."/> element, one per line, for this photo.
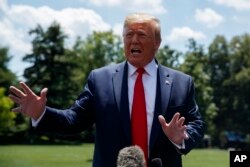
<point x="81" y="156"/>
<point x="46" y="155"/>
<point x="206" y="158"/>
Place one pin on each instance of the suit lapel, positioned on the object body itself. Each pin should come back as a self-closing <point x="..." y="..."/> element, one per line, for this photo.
<point x="165" y="85"/>
<point x="120" y="84"/>
<point x="163" y="89"/>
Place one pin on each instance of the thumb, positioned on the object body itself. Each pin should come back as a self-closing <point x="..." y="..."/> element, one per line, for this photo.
<point x="43" y="93"/>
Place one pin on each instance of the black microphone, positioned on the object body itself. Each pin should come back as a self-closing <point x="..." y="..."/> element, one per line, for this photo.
<point x="131" y="156"/>
<point x="156" y="162"/>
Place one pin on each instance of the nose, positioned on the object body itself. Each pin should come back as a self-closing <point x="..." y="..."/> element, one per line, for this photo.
<point x="135" y="38"/>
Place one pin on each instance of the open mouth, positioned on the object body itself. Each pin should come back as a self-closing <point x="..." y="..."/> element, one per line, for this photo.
<point x="135" y="51"/>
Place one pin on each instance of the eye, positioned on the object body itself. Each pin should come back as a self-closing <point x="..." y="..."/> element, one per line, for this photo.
<point x="142" y="34"/>
<point x="129" y="35"/>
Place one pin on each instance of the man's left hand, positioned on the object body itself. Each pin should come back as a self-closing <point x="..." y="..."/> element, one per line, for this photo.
<point x="174" y="130"/>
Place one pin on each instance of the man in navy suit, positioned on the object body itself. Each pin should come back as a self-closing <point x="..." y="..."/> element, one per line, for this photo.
<point x="174" y="124"/>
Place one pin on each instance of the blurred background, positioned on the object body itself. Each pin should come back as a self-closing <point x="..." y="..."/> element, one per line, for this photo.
<point x="56" y="44"/>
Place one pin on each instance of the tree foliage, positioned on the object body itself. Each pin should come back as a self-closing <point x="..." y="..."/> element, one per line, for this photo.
<point x="7" y="77"/>
<point x="229" y="69"/>
<point x="169" y="57"/>
<point x="218" y="70"/>
<point x="238" y="83"/>
<point x="6" y="117"/>
<point x="97" y="50"/>
<point x="53" y="66"/>
<point x="195" y="64"/>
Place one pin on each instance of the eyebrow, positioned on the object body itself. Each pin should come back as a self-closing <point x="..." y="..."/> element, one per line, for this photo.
<point x="137" y="30"/>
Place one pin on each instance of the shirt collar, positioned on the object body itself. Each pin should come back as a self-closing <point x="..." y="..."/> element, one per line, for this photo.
<point x="150" y="68"/>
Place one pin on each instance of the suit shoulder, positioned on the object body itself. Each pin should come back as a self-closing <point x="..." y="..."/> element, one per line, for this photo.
<point x="111" y="68"/>
<point x="175" y="73"/>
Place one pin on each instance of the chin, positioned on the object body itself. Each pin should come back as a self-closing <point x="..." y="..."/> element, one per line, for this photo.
<point x="136" y="64"/>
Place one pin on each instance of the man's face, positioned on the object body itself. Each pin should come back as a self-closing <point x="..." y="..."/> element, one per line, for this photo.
<point x="140" y="43"/>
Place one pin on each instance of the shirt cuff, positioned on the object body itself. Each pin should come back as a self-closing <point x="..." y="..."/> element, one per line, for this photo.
<point x="181" y="146"/>
<point x="36" y="122"/>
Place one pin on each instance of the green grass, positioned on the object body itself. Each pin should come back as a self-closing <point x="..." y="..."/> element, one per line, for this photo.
<point x="206" y="158"/>
<point x="46" y="156"/>
<point x="81" y="156"/>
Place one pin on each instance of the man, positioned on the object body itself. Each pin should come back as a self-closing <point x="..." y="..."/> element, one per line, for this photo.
<point x="173" y="123"/>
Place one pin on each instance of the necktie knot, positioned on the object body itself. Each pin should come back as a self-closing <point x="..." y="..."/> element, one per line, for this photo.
<point x="140" y="70"/>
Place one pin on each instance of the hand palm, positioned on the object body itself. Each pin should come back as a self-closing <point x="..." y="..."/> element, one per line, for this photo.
<point x="174" y="130"/>
<point x="29" y="103"/>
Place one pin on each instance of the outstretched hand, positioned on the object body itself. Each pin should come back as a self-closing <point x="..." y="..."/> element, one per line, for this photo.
<point x="29" y="103"/>
<point x="174" y="130"/>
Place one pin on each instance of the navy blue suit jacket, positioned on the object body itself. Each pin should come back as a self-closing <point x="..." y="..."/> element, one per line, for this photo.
<point x="104" y="102"/>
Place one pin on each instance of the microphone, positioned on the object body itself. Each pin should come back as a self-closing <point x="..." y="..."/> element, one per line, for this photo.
<point x="131" y="156"/>
<point x="156" y="162"/>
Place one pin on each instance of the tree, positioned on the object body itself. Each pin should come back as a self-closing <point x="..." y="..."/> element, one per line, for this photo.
<point x="195" y="64"/>
<point x="7" y="77"/>
<point x="218" y="70"/>
<point x="97" y="50"/>
<point x="8" y="120"/>
<point x="229" y="69"/>
<point x="6" y="117"/>
<point x="52" y="66"/>
<point x="238" y="84"/>
<point x="169" y="57"/>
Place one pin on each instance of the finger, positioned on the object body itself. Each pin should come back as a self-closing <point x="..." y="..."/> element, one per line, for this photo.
<point x="182" y="132"/>
<point x="180" y="122"/>
<point x="183" y="128"/>
<point x="175" y="118"/>
<point x="186" y="135"/>
<point x="16" y="91"/>
<point x="15" y="99"/>
<point x="162" y="121"/>
<point x="17" y="109"/>
<point x="43" y="93"/>
<point x="26" y="89"/>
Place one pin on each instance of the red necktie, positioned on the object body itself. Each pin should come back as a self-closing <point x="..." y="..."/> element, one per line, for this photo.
<point x="139" y="115"/>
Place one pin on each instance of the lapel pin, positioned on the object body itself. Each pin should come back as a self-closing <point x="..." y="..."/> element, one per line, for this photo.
<point x="167" y="82"/>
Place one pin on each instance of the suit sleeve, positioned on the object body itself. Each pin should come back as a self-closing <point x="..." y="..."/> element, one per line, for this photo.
<point x="75" y="119"/>
<point x="193" y="120"/>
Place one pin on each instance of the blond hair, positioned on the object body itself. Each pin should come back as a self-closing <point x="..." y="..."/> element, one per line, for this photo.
<point x="145" y="18"/>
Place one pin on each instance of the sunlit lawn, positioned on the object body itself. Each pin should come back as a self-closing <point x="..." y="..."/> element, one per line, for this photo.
<point x="81" y="156"/>
<point x="206" y="158"/>
<point x="46" y="156"/>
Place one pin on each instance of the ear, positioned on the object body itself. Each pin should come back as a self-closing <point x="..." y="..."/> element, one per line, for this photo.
<point x="157" y="44"/>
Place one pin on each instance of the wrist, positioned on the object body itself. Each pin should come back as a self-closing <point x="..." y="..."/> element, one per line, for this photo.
<point x="36" y="115"/>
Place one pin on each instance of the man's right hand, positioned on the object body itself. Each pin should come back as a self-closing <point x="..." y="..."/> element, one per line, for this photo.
<point x="29" y="103"/>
